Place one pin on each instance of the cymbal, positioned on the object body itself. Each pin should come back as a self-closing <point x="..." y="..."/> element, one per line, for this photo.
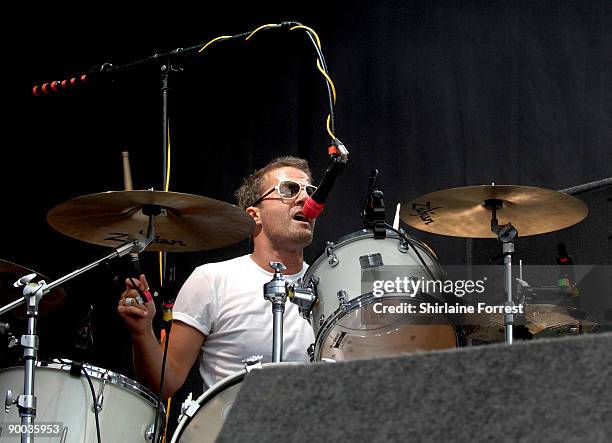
<point x="10" y="273"/>
<point x="185" y="222"/>
<point x="460" y="212"/>
<point x="541" y="320"/>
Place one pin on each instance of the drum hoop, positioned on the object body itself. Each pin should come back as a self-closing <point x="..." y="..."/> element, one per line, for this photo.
<point x="366" y="233"/>
<point x="358" y="302"/>
<point x="98" y="373"/>
<point x="209" y="394"/>
<point x="206" y="396"/>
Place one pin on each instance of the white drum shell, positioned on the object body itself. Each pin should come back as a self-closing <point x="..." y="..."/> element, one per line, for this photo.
<point x="205" y="423"/>
<point x="346" y="274"/>
<point x="125" y="416"/>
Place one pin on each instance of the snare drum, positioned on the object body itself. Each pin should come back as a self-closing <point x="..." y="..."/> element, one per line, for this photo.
<point x="126" y="409"/>
<point x="346" y="317"/>
<point x="203" y="418"/>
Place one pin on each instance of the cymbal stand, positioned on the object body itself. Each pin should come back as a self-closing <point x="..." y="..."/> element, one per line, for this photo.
<point x="32" y="294"/>
<point x="275" y="291"/>
<point x="506" y="235"/>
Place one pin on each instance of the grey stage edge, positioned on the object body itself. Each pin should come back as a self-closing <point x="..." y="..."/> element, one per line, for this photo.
<point x="545" y="390"/>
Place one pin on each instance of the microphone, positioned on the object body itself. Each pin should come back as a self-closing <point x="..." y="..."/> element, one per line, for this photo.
<point x="314" y="204"/>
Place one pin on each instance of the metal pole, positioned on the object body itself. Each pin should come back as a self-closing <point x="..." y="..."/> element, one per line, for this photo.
<point x="278" y="312"/>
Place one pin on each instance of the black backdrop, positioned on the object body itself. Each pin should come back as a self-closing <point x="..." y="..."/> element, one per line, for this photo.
<point x="435" y="94"/>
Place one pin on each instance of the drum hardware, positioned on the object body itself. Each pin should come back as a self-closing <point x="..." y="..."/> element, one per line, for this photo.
<point x="505" y="234"/>
<point x="9" y="273"/>
<point x="33" y="292"/>
<point x="99" y="403"/>
<point x="310" y="352"/>
<point x="252" y="362"/>
<point x="275" y="291"/>
<point x="150" y="432"/>
<point x="303" y="297"/>
<point x="495" y="212"/>
<point x="331" y="257"/>
<point x="188" y="407"/>
<point x="343" y="299"/>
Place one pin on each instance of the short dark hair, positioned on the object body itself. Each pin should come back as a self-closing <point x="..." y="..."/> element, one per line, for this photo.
<point x="250" y="190"/>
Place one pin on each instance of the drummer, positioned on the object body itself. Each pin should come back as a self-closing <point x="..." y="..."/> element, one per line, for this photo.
<point x="220" y="313"/>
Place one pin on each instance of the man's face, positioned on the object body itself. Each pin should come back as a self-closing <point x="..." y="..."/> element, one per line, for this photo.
<point x="282" y="222"/>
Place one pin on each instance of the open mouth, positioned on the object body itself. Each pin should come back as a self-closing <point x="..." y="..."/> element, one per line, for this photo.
<point x="300" y="217"/>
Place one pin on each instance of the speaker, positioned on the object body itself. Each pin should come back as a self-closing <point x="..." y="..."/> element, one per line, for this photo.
<point x="550" y="390"/>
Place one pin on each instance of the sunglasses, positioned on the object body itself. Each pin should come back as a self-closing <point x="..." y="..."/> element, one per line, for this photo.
<point x="288" y="190"/>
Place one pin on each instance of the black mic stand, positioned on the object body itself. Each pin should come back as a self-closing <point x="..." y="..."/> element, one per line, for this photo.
<point x="373" y="213"/>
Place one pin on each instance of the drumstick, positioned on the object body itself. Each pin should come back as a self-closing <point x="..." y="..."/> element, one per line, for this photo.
<point x="397" y="216"/>
<point x="127" y="173"/>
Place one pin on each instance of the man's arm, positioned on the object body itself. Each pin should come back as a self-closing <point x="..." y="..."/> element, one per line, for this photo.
<point x="183" y="348"/>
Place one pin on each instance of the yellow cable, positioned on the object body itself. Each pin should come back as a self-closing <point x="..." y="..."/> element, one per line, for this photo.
<point x="269" y="25"/>
<point x="309" y="30"/>
<point x="161" y="254"/>
<point x="331" y="134"/>
<point x="329" y="80"/>
<point x="167" y="418"/>
<point x="319" y="67"/>
<point x="222" y="37"/>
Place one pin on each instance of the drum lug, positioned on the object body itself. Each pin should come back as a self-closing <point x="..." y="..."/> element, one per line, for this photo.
<point x="189" y="407"/>
<point x="321" y="320"/>
<point x="404" y="245"/>
<point x="252" y="362"/>
<point x="331" y="257"/>
<point x="100" y="397"/>
<point x="310" y="352"/>
<point x="343" y="298"/>
<point x="9" y="401"/>
<point x="150" y="432"/>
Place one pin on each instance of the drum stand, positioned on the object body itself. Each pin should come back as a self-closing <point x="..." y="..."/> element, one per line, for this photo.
<point x="505" y="234"/>
<point x="32" y="293"/>
<point x="276" y="291"/>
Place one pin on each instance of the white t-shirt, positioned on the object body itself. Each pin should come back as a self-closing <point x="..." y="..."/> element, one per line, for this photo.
<point x="225" y="302"/>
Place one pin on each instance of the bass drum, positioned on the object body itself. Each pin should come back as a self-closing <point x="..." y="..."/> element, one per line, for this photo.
<point x="351" y="321"/>
<point x="126" y="409"/>
<point x="201" y="421"/>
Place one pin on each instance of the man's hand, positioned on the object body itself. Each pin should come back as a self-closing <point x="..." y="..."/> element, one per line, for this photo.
<point x="138" y="317"/>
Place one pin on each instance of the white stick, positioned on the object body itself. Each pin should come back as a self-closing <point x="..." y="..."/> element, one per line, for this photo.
<point x="397" y="217"/>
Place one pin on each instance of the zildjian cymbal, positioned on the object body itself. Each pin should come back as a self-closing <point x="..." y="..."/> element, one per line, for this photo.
<point x="182" y="222"/>
<point x="10" y="273"/>
<point x="467" y="211"/>
<point x="541" y="320"/>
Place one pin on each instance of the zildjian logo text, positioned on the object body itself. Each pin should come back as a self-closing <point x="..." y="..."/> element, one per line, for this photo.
<point x="424" y="211"/>
<point x="122" y="238"/>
